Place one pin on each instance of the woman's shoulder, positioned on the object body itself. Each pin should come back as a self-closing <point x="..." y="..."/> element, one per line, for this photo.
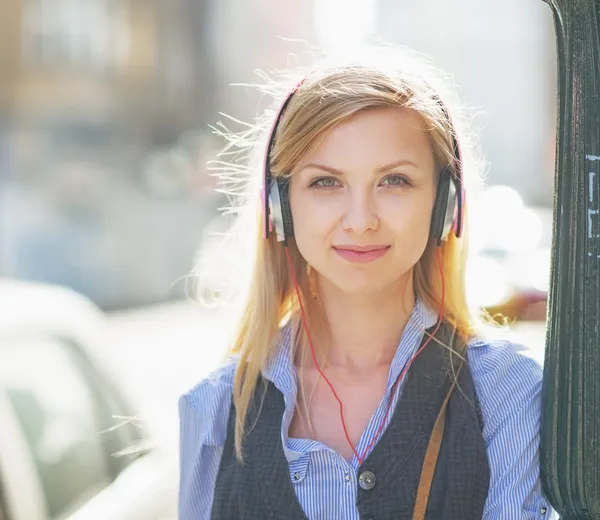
<point x="507" y="376"/>
<point x="215" y="386"/>
<point x="493" y="357"/>
<point x="204" y="409"/>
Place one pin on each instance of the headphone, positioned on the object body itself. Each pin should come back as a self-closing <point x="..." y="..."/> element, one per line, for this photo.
<point x="448" y="210"/>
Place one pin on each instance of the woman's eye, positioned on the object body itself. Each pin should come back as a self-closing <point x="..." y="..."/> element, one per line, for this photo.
<point x="396" y="180"/>
<point x="324" y="182"/>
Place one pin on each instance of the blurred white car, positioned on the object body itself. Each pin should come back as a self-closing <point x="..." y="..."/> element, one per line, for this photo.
<point x="72" y="444"/>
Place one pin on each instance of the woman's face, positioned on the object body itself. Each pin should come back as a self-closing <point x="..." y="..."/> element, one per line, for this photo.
<point x="370" y="186"/>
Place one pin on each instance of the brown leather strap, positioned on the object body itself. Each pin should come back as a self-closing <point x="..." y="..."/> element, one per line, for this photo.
<point x="431" y="456"/>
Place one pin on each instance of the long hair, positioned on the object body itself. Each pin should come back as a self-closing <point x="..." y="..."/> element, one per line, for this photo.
<point x="330" y="93"/>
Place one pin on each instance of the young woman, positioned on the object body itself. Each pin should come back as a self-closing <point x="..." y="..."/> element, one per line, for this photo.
<point x="358" y="386"/>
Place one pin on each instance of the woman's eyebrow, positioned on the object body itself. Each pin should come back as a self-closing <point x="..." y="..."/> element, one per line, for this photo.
<point x="395" y="164"/>
<point x="387" y="167"/>
<point x="328" y="169"/>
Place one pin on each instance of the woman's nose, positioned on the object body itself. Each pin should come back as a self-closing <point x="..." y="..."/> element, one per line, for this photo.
<point x="360" y="213"/>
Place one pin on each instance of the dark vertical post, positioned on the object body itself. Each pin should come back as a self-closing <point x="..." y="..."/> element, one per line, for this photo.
<point x="570" y="450"/>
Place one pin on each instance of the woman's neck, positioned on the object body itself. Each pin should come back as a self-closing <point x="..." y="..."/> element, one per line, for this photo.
<point x="362" y="333"/>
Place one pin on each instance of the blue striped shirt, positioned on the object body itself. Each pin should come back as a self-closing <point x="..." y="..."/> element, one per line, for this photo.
<point x="507" y="382"/>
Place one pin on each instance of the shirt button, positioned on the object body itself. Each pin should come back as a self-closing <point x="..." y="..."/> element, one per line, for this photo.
<point x="347" y="477"/>
<point x="366" y="480"/>
<point x="296" y="476"/>
<point x="544" y="510"/>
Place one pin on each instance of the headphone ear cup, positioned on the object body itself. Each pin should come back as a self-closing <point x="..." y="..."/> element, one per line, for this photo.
<point x="439" y="209"/>
<point x="275" y="218"/>
<point x="286" y="210"/>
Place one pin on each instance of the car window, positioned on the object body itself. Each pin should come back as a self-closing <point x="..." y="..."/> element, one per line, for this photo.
<point x="67" y="418"/>
<point x="123" y="433"/>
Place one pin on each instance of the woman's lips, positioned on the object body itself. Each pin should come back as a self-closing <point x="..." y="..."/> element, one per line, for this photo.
<point x="361" y="257"/>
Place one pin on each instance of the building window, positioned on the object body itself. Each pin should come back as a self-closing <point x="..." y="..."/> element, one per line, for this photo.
<point x="90" y="34"/>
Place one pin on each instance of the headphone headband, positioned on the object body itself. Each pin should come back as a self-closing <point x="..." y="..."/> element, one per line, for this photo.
<point x="267" y="179"/>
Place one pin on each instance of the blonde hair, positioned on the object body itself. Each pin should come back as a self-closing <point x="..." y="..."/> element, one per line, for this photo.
<point x="331" y="92"/>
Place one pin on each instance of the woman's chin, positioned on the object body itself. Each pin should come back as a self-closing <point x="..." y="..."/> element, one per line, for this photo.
<point x="361" y="285"/>
<point x="358" y="289"/>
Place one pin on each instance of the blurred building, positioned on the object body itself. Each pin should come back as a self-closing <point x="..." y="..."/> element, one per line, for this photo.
<point x="95" y="97"/>
<point x="91" y="70"/>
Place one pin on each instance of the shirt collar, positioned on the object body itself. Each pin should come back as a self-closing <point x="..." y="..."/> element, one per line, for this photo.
<point x="280" y="368"/>
<point x="420" y="319"/>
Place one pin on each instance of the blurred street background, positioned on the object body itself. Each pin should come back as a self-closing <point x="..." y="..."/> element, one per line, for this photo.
<point x="105" y="107"/>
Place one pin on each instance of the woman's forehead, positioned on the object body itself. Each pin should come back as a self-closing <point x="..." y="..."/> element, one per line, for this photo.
<point x="375" y="138"/>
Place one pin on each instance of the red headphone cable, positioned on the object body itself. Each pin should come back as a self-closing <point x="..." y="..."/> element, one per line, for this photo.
<point x="400" y="378"/>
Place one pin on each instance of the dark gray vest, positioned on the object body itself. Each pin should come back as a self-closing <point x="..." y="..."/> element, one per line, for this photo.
<point x="261" y="487"/>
